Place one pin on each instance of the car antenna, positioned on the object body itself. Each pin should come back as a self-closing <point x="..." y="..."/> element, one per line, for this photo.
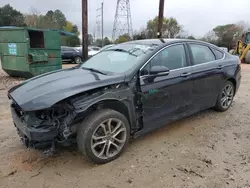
<point x="161" y="39"/>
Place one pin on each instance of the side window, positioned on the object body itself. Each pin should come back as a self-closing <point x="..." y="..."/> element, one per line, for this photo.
<point x="173" y="57"/>
<point x="218" y="54"/>
<point x="201" y="54"/>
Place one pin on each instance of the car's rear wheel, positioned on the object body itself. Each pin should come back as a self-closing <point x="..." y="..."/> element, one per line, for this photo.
<point x="78" y="60"/>
<point x="225" y="97"/>
<point x="103" y="136"/>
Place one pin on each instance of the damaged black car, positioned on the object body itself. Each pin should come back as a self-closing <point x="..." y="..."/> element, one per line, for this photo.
<point x="123" y="92"/>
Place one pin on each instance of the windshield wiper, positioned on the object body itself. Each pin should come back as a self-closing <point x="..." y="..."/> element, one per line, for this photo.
<point x="94" y="70"/>
<point x="121" y="50"/>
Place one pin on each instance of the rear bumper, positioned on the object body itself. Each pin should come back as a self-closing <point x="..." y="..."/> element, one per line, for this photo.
<point x="238" y="84"/>
<point x="238" y="79"/>
<point x="38" y="138"/>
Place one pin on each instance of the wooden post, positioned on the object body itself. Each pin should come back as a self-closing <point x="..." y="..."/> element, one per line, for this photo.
<point x="160" y="18"/>
<point x="85" y="29"/>
<point x="102" y="26"/>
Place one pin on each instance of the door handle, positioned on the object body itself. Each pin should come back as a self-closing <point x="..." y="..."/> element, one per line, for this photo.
<point x="185" y="74"/>
<point x="220" y="67"/>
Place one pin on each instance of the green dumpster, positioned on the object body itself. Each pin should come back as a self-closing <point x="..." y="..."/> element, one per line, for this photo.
<point x="27" y="52"/>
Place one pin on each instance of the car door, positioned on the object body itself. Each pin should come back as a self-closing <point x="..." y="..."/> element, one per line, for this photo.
<point x="166" y="98"/>
<point x="63" y="51"/>
<point x="207" y="73"/>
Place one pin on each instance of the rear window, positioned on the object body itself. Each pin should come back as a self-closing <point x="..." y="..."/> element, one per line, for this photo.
<point x="201" y="54"/>
<point x="218" y="54"/>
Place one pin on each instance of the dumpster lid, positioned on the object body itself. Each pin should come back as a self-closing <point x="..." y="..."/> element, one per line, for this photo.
<point x="64" y="33"/>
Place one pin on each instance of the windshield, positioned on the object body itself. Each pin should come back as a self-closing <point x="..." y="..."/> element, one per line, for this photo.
<point x="118" y="59"/>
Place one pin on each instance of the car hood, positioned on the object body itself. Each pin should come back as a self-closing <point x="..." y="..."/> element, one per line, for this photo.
<point x="45" y="90"/>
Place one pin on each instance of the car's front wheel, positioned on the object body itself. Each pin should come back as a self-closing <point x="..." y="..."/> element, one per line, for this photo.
<point x="225" y="97"/>
<point x="78" y="60"/>
<point x="103" y="135"/>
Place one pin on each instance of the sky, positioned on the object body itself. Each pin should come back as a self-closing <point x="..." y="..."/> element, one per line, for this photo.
<point x="196" y="16"/>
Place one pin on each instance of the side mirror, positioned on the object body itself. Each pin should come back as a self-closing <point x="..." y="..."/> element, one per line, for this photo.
<point x="159" y="71"/>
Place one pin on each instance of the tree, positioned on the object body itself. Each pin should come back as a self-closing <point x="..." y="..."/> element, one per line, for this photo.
<point x="210" y="37"/>
<point x="106" y="41"/>
<point x="68" y="27"/>
<point x="228" y="34"/>
<point x="90" y="39"/>
<point x="53" y="19"/>
<point x="123" y="38"/>
<point x="75" y="30"/>
<point x="140" y="35"/>
<point x="170" y="28"/>
<point x="191" y="37"/>
<point x="152" y="27"/>
<point x="71" y="40"/>
<point x="98" y="42"/>
<point x="11" y="17"/>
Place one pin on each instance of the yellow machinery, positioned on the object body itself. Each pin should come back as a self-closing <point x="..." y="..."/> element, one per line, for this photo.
<point x="242" y="48"/>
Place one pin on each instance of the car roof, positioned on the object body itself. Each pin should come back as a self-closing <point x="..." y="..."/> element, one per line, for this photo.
<point x="164" y="41"/>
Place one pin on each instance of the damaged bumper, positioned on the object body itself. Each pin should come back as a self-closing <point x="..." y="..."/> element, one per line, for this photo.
<point x="32" y="137"/>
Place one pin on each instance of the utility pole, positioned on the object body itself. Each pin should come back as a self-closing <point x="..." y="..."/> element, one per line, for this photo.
<point x="160" y="18"/>
<point x="85" y="29"/>
<point x="102" y="26"/>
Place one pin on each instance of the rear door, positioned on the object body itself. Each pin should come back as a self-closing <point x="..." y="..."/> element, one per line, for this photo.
<point x="207" y="74"/>
<point x="166" y="98"/>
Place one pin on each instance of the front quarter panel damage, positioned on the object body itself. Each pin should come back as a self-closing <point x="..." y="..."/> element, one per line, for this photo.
<point x="120" y="95"/>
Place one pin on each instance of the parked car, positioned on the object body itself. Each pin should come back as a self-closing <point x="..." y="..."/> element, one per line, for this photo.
<point x="106" y="47"/>
<point x="121" y="93"/>
<point x="71" y="54"/>
<point x="93" y="50"/>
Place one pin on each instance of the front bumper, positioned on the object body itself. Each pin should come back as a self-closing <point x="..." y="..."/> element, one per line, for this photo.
<point x="32" y="137"/>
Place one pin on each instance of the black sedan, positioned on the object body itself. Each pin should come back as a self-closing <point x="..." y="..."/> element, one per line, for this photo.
<point x="122" y="92"/>
<point x="71" y="54"/>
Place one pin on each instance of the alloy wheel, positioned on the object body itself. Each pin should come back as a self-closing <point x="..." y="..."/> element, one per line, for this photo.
<point x="108" y="138"/>
<point x="227" y="96"/>
<point x="78" y="60"/>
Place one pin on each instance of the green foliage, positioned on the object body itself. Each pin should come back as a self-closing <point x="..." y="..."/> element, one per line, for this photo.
<point x="90" y="39"/>
<point x="170" y="27"/>
<point x="106" y="41"/>
<point x="140" y="35"/>
<point x="10" y="16"/>
<point x="224" y="35"/>
<point x="54" y="19"/>
<point x="228" y="34"/>
<point x="191" y="37"/>
<point x="98" y="42"/>
<point x="123" y="38"/>
<point x="70" y="41"/>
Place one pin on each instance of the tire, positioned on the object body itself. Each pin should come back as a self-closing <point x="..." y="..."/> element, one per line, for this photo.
<point x="91" y="132"/>
<point x="77" y="59"/>
<point x="225" y="98"/>
<point x="231" y="51"/>
<point x="247" y="58"/>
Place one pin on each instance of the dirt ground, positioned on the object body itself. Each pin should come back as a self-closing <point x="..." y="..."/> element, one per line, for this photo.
<point x="208" y="149"/>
